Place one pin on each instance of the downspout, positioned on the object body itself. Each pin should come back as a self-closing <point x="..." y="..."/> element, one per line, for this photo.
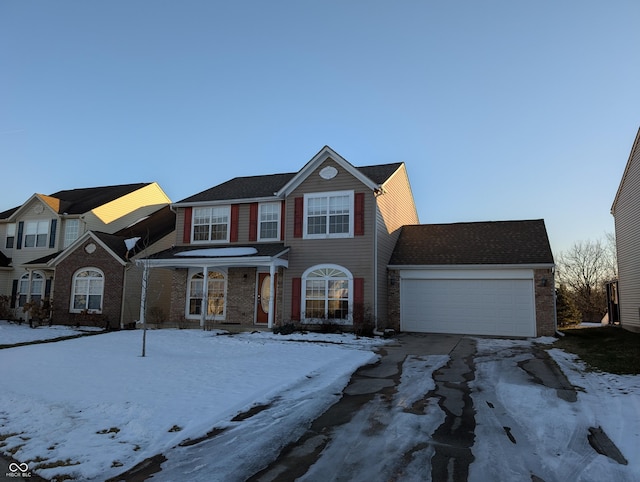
<point x="375" y="266"/>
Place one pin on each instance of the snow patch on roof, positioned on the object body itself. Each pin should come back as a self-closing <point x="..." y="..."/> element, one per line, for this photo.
<point x="239" y="251"/>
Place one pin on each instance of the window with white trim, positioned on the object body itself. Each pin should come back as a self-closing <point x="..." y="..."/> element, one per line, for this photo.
<point x="36" y="234"/>
<point x="87" y="291"/>
<point x="37" y="283"/>
<point x="211" y="224"/>
<point x="216" y="287"/>
<point x="11" y="235"/>
<point x="71" y="231"/>
<point x="328" y="215"/>
<point x="269" y="221"/>
<point x="327" y="292"/>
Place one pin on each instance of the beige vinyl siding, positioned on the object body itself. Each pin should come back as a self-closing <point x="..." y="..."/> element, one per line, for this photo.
<point x="627" y="225"/>
<point x="126" y="210"/>
<point x="243" y="223"/>
<point x="355" y="254"/>
<point x="30" y="214"/>
<point x="396" y="208"/>
<point x="179" y="235"/>
<point x="159" y="290"/>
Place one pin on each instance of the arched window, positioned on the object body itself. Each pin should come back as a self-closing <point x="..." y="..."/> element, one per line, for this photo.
<point x="87" y="290"/>
<point x="37" y="288"/>
<point x="216" y="287"/>
<point x="327" y="291"/>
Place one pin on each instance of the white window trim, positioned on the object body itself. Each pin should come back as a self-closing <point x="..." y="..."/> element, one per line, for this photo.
<point x="37" y="233"/>
<point x="68" y="241"/>
<point x="73" y="291"/>
<point x="210" y="241"/>
<point x="190" y="274"/>
<point x="279" y="221"/>
<point x="303" y="298"/>
<point x="29" y="279"/>
<point x="10" y="234"/>
<point x="327" y="195"/>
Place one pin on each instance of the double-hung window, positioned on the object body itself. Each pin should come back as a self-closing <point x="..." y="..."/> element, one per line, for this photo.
<point x="211" y="224"/>
<point x="71" y="231"/>
<point x="269" y="228"/>
<point x="328" y="215"/>
<point x="36" y="233"/>
<point x="11" y="235"/>
<point x="87" y="291"/>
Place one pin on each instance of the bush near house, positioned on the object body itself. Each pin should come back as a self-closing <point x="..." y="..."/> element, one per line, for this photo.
<point x="609" y="349"/>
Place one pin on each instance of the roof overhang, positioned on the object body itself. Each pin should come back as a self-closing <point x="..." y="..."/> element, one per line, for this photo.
<point x="470" y="266"/>
<point x="226" y="202"/>
<point x="176" y="261"/>
<point x="636" y="145"/>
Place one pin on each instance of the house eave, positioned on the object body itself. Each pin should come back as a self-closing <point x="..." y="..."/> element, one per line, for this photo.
<point x="470" y="266"/>
<point x="234" y="261"/>
<point x="226" y="202"/>
<point x="636" y="145"/>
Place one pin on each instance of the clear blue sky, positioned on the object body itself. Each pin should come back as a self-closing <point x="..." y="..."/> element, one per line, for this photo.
<point x="500" y="109"/>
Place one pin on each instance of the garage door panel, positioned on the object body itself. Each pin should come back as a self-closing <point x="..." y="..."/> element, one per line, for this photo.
<point x="498" y="307"/>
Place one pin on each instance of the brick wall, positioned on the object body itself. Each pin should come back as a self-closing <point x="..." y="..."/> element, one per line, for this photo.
<point x="393" y="304"/>
<point x="543" y="280"/>
<point x="112" y="295"/>
<point x="241" y="296"/>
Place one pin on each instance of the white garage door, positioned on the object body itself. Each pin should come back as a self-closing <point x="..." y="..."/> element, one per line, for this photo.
<point x="496" y="307"/>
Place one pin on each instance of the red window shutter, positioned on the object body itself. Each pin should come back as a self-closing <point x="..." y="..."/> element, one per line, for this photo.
<point x="282" y="205"/>
<point x="296" y="292"/>
<point x="235" y="215"/>
<point x="253" y="222"/>
<point x="297" y="217"/>
<point x="358" y="216"/>
<point x="186" y="237"/>
<point x="358" y="300"/>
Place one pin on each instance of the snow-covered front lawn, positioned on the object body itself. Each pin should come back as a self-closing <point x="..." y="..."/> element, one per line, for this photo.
<point x="92" y="407"/>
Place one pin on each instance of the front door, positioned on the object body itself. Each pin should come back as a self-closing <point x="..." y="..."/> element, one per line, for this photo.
<point x="262" y="298"/>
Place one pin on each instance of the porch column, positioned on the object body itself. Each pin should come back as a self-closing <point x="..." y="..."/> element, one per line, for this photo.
<point x="205" y="296"/>
<point x="272" y="290"/>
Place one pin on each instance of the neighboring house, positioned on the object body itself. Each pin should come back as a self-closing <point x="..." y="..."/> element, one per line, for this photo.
<point x="309" y="246"/>
<point x="482" y="278"/>
<point x="37" y="232"/>
<point x="626" y="213"/>
<point x="97" y="280"/>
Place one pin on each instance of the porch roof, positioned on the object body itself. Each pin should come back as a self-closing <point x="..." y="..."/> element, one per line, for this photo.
<point x="262" y="254"/>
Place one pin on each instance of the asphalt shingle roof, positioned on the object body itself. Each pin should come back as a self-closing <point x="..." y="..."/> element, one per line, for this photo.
<point x="265" y="186"/>
<point x="79" y="201"/>
<point x="494" y="242"/>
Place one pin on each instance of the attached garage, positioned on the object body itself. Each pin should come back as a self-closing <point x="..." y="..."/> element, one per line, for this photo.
<point x="497" y="303"/>
<point x="488" y="278"/>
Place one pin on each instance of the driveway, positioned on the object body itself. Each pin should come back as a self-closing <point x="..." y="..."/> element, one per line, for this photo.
<point x="435" y="407"/>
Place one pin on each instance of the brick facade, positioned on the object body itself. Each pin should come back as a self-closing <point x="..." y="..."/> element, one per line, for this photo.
<point x="112" y="294"/>
<point x="240" y="299"/>
<point x="545" y="293"/>
<point x="393" y="304"/>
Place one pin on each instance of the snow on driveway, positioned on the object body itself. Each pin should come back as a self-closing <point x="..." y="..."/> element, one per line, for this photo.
<point x="524" y="428"/>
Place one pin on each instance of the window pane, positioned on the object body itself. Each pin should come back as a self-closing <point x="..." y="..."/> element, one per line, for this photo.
<point x="79" y="302"/>
<point x="29" y="240"/>
<point x="339" y="224"/>
<point x="317" y="206"/>
<point x="195" y="305"/>
<point x="218" y="232"/>
<point x="94" y="302"/>
<point x="269" y="230"/>
<point x="317" y="225"/>
<point x="41" y="241"/>
<point x="314" y="309"/>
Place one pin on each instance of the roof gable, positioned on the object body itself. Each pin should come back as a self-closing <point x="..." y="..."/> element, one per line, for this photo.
<point x="325" y="153"/>
<point x="479" y="243"/>
<point x="630" y="161"/>
<point x="279" y="185"/>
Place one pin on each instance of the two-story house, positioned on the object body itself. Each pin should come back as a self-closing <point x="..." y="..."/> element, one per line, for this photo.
<point x="38" y="231"/>
<point x="309" y="246"/>
<point x="626" y="213"/>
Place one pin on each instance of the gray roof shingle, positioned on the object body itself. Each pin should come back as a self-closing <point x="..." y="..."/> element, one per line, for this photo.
<point x="267" y="185"/>
<point x="493" y="242"/>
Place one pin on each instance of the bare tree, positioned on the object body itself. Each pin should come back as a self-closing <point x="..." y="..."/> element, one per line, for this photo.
<point x="584" y="270"/>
